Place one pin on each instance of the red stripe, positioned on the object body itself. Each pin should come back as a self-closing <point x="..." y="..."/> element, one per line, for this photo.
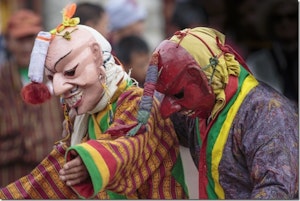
<point x="118" y="153"/>
<point x="21" y="189"/>
<point x="128" y="95"/>
<point x="130" y="161"/>
<point x="166" y="145"/>
<point x="147" y="167"/>
<point x="37" y="186"/>
<point x="162" y="175"/>
<point x="134" y="188"/>
<point x="55" y="163"/>
<point x="7" y="194"/>
<point x="134" y="96"/>
<point x="173" y="187"/>
<point x="129" y="115"/>
<point x="203" y="181"/>
<point x="133" y="152"/>
<point x="52" y="183"/>
<point x="159" y="156"/>
<point x="231" y="87"/>
<point x="106" y="155"/>
<point x="120" y="156"/>
<point x="123" y="172"/>
<point x="132" y="175"/>
<point x="148" y="173"/>
<point x="142" y="179"/>
<point x="123" y="125"/>
<point x="61" y="150"/>
<point x="173" y="155"/>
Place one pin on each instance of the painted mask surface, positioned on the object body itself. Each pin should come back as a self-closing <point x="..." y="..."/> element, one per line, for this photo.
<point x="182" y="82"/>
<point x="75" y="68"/>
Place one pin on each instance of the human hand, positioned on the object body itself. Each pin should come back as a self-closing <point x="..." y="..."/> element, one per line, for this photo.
<point x="74" y="171"/>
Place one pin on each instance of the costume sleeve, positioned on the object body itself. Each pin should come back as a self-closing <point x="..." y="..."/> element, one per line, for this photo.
<point x="43" y="182"/>
<point x="124" y="164"/>
<point x="271" y="150"/>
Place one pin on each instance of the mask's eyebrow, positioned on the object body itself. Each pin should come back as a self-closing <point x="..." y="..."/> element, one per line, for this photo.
<point x="61" y="59"/>
<point x="49" y="69"/>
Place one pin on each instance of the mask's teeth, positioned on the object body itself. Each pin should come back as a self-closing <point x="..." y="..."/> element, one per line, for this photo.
<point x="74" y="89"/>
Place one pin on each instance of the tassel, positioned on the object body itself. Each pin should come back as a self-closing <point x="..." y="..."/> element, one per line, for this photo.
<point x="146" y="101"/>
<point x="134" y="130"/>
<point x="35" y="93"/>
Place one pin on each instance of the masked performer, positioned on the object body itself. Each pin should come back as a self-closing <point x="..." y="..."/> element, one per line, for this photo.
<point x="112" y="151"/>
<point x="242" y="134"/>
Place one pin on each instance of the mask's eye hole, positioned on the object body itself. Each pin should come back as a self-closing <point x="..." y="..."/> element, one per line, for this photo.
<point x="179" y="95"/>
<point x="50" y="77"/>
<point x="70" y="72"/>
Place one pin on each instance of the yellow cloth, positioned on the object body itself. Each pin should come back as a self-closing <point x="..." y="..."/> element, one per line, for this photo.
<point x="227" y="64"/>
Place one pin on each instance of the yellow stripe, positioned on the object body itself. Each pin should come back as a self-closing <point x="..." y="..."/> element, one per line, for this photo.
<point x="99" y="162"/>
<point x="249" y="83"/>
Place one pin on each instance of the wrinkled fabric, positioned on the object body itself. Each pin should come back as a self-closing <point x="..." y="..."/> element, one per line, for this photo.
<point x="146" y="166"/>
<point x="260" y="158"/>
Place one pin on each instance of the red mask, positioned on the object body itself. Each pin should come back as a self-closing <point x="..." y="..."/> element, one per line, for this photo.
<point x="183" y="83"/>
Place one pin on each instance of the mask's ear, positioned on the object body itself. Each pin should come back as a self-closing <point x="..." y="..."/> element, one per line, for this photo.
<point x="97" y="53"/>
<point x="198" y="74"/>
<point x="194" y="71"/>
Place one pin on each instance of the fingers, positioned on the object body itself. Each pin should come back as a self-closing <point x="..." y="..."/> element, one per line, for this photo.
<point x="75" y="178"/>
<point x="74" y="171"/>
<point x="73" y="163"/>
<point x="75" y="181"/>
<point x="72" y="166"/>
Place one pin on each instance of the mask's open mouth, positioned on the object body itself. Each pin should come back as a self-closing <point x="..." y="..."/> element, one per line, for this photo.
<point x="74" y="99"/>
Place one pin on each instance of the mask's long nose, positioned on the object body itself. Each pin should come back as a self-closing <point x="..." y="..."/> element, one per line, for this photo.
<point x="168" y="107"/>
<point x="60" y="84"/>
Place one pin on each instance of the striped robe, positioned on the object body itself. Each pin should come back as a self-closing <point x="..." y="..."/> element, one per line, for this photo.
<point x="146" y="166"/>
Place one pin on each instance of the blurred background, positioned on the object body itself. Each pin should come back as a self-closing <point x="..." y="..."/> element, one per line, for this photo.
<point x="245" y="22"/>
<point x="51" y="14"/>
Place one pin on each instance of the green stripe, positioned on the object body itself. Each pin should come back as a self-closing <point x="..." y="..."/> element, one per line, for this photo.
<point x="178" y="174"/>
<point x="92" y="168"/>
<point x="198" y="132"/>
<point x="91" y="129"/>
<point x="88" y="161"/>
<point x="214" y="133"/>
<point x="104" y="121"/>
<point x="115" y="196"/>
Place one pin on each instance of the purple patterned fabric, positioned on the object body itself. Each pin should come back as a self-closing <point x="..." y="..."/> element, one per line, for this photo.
<point x="260" y="159"/>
